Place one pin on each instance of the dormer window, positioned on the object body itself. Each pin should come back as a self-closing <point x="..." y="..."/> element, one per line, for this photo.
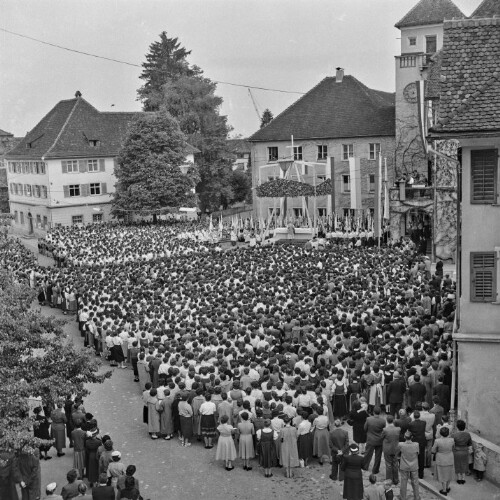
<point x="94" y="143"/>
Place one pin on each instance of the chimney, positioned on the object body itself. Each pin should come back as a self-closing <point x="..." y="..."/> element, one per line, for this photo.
<point x="340" y="75"/>
<point x="78" y="94"/>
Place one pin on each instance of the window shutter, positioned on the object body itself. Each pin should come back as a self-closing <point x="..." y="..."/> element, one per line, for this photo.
<point x="104" y="188"/>
<point x="483" y="276"/>
<point x="102" y="165"/>
<point x="33" y="191"/>
<point x="64" y="164"/>
<point x="82" y="165"/>
<point x="84" y="189"/>
<point x="66" y="191"/>
<point x="484" y="176"/>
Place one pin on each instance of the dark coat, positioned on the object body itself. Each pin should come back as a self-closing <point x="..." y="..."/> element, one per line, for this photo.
<point x="357" y="419"/>
<point x="416" y="393"/>
<point x="353" y="477"/>
<point x="395" y="391"/>
<point x="29" y="467"/>
<point x="374" y="427"/>
<point x="417" y="428"/>
<point x="92" y="464"/>
<point x="103" y="493"/>
<point x="403" y="424"/>
<point x="442" y="391"/>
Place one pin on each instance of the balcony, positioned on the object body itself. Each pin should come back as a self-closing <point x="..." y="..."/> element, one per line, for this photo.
<point x="416" y="192"/>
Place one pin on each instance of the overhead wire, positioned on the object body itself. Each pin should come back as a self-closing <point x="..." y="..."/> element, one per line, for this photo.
<point x="119" y="61"/>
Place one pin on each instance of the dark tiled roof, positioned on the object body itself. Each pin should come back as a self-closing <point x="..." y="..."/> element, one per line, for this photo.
<point x="488" y="8"/>
<point x="3" y="133"/>
<point x="239" y="145"/>
<point x="66" y="130"/>
<point x="430" y="12"/>
<point x="334" y="110"/>
<point x="470" y="77"/>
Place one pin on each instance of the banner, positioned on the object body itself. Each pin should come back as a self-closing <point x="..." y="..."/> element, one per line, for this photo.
<point x="355" y="177"/>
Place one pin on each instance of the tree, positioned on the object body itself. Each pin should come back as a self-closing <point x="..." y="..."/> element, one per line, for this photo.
<point x="241" y="183"/>
<point x="148" y="169"/>
<point x="165" y="61"/>
<point x="267" y="117"/>
<point x="190" y="98"/>
<point x="36" y="360"/>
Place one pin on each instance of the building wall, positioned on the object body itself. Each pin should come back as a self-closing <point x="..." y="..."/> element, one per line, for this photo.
<point x="479" y="333"/>
<point x="361" y="149"/>
<point x="420" y="32"/>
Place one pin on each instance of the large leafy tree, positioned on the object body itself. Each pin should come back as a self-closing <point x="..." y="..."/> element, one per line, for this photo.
<point x="36" y="360"/>
<point x="190" y="98"/>
<point x="148" y="169"/>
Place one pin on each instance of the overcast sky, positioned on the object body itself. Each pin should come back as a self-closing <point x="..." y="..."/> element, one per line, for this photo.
<point x="279" y="44"/>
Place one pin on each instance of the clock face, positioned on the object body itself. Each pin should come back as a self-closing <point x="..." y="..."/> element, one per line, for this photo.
<point x="410" y="92"/>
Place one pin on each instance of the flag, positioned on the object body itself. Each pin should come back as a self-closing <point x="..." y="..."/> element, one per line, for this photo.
<point x="386" y="194"/>
<point x="355" y="177"/>
<point x="378" y="201"/>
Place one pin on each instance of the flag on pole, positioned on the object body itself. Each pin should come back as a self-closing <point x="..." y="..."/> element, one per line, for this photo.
<point x="378" y="201"/>
<point x="386" y="194"/>
<point x="355" y="179"/>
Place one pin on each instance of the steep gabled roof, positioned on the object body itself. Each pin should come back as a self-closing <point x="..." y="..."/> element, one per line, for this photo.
<point x="487" y="8"/>
<point x="67" y="129"/>
<point x="5" y="134"/>
<point x="430" y="12"/>
<point x="334" y="110"/>
<point x="470" y="79"/>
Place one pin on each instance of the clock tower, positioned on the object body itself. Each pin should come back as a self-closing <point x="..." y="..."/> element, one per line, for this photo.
<point x="421" y="37"/>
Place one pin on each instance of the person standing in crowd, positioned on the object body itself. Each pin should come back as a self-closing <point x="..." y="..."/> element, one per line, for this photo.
<point x="70" y="490"/>
<point x="352" y="466"/>
<point x="289" y="454"/>
<point x="267" y="448"/>
<point x="374" y="439"/>
<point x="50" y="492"/>
<point x="103" y="491"/>
<point x="208" y="425"/>
<point x="408" y="466"/>
<point x="225" y="446"/>
<point x="58" y="427"/>
<point x="186" y="420"/>
<point x="443" y="451"/>
<point x="246" y="433"/>
<point x="417" y="429"/>
<point x="357" y="418"/>
<point x="41" y="430"/>
<point x="92" y="443"/>
<point x="339" y="447"/>
<point x="395" y="393"/>
<point x="390" y="435"/>
<point x="29" y="468"/>
<point x="462" y="441"/>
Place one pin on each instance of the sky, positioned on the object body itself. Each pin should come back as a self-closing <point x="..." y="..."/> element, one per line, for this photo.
<point x="288" y="45"/>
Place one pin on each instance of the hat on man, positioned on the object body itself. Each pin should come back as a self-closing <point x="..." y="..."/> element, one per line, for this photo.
<point x="354" y="448"/>
<point x="116" y="454"/>
<point x="51" y="488"/>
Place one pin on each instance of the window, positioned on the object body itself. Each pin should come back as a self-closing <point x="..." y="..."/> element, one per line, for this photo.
<point x="322" y="212"/>
<point x="483" y="276"/>
<point x="322" y="152"/>
<point x="96" y="217"/>
<point x="45" y="221"/>
<point x="297" y="152"/>
<point x="272" y="153"/>
<point x="349" y="212"/>
<point x="431" y="44"/>
<point x="70" y="166"/>
<point x="93" y="165"/>
<point x="275" y="211"/>
<point x="41" y="168"/>
<point x="374" y="150"/>
<point x="347" y="151"/>
<point x="27" y="189"/>
<point x="95" y="188"/>
<point x="77" y="219"/>
<point x="22" y="217"/>
<point x="11" y="187"/>
<point x="36" y="191"/>
<point x="412" y="41"/>
<point x="484" y="176"/>
<point x="346" y="183"/>
<point x="43" y="191"/>
<point x="371" y="183"/>
<point x="297" y="212"/>
<point x="38" y="220"/>
<point x="407" y="61"/>
<point x="321" y="178"/>
<point x="74" y="190"/>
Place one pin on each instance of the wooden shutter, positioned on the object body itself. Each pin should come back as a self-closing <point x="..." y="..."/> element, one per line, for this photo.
<point x="483" y="276"/>
<point x="102" y="165"/>
<point x="104" y="188"/>
<point x="484" y="165"/>
<point x="82" y="165"/>
<point x="66" y="191"/>
<point x="64" y="164"/>
<point x="84" y="189"/>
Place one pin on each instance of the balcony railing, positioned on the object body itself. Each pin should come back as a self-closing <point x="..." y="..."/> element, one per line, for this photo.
<point x="418" y="193"/>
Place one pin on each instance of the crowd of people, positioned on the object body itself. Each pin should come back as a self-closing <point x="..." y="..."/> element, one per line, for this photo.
<point x="267" y="352"/>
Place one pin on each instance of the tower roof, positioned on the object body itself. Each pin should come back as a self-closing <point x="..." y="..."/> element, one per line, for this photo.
<point x="430" y="12"/>
<point x="487" y="8"/>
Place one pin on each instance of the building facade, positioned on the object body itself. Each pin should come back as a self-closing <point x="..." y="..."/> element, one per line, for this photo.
<point x="423" y="201"/>
<point x="469" y="113"/>
<point x="337" y="120"/>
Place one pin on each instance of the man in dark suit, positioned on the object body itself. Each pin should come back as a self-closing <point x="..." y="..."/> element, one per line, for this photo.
<point x="390" y="444"/>
<point x="103" y="491"/>
<point x="442" y="391"/>
<point x="395" y="393"/>
<point x="374" y="427"/>
<point x="402" y="423"/>
<point x="417" y="429"/>
<point x="416" y="392"/>
<point x="339" y="446"/>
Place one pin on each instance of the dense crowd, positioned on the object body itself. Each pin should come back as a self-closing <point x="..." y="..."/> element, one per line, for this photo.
<point x="276" y="348"/>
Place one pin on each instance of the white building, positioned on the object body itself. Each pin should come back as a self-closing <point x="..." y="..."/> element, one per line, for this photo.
<point x="62" y="172"/>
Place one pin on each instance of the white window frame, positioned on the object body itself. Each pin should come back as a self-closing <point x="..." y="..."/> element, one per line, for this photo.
<point x="298" y="212"/>
<point x="322" y="152"/>
<point x="277" y="211"/>
<point x="95" y="189"/>
<point x="297" y="153"/>
<point x="271" y="158"/>
<point x="96" y="218"/>
<point x="72" y="166"/>
<point x="73" y="217"/>
<point x="374" y="150"/>
<point x="322" y="211"/>
<point x="412" y="41"/>
<point x="73" y="188"/>
<point x="347" y="151"/>
<point x="370" y="190"/>
<point x="93" y="165"/>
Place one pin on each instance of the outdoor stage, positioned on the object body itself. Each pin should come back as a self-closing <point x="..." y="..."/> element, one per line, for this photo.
<point x="301" y="233"/>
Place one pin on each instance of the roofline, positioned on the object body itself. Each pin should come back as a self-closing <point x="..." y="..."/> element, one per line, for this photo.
<point x="416" y="25"/>
<point x="63" y="127"/>
<point x="323" y="138"/>
<point x="473" y="134"/>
